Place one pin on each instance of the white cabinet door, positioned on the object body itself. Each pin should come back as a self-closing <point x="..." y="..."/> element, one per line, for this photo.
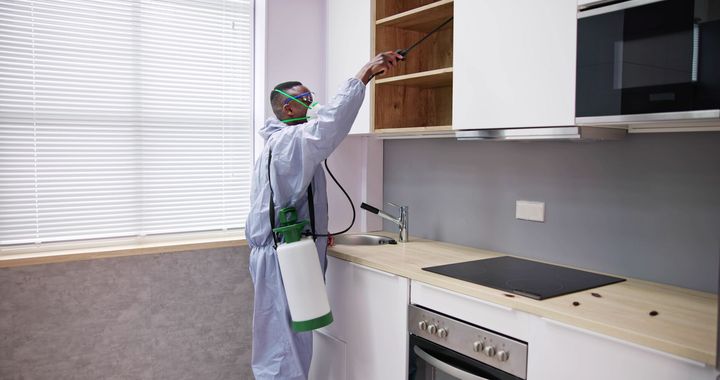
<point x="378" y="336"/>
<point x="560" y="352"/>
<point x="514" y="63"/>
<point x="348" y="49"/>
<point x="369" y="330"/>
<point x="338" y="281"/>
<point x="329" y="358"/>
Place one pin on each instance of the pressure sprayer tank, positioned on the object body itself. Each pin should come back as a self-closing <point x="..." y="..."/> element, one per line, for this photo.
<point x="301" y="274"/>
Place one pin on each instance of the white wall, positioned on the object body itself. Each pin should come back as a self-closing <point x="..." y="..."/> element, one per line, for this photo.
<point x="358" y="166"/>
<point x="294" y="47"/>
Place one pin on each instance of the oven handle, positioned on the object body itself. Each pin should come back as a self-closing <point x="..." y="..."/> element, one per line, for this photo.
<point x="447" y="368"/>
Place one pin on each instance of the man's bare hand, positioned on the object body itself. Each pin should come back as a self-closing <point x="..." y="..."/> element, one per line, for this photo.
<point x="380" y="64"/>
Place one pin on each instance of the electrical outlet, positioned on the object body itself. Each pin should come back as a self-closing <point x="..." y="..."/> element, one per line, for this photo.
<point x="527" y="210"/>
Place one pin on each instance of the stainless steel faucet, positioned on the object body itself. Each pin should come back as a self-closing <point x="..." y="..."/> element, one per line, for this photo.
<point x="401" y="221"/>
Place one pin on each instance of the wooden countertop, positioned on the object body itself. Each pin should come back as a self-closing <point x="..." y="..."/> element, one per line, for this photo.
<point x="685" y="325"/>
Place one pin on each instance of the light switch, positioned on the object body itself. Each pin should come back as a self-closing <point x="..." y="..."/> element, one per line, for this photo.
<point x="528" y="210"/>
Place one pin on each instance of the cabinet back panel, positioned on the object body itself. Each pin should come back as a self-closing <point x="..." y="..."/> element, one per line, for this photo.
<point x="434" y="53"/>
<point x="408" y="107"/>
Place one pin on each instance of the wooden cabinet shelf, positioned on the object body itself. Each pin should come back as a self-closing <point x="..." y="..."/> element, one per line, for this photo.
<point x="422" y="19"/>
<point x="425" y="79"/>
<point x="416" y="96"/>
<point x="440" y="130"/>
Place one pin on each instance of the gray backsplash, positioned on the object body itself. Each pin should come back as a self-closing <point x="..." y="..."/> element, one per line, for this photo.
<point x="647" y="206"/>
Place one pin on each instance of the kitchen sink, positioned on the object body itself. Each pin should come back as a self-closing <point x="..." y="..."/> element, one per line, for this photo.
<point x="362" y="239"/>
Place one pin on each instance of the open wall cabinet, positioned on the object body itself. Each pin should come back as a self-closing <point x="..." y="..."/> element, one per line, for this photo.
<point x="416" y="97"/>
<point x="514" y="62"/>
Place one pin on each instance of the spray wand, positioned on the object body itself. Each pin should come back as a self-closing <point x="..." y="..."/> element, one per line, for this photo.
<point x="404" y="52"/>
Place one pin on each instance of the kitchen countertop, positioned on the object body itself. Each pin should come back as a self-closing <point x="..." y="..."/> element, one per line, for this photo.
<point x="685" y="324"/>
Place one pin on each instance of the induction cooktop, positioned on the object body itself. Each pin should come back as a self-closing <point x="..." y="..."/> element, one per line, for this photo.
<point x="524" y="277"/>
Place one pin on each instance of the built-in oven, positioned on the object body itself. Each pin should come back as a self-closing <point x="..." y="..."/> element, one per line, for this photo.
<point x="648" y="60"/>
<point x="445" y="348"/>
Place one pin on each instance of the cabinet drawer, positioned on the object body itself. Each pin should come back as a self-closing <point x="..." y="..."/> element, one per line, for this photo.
<point x="499" y="318"/>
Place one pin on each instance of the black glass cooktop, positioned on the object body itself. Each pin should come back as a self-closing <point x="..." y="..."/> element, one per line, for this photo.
<point x="524" y="277"/>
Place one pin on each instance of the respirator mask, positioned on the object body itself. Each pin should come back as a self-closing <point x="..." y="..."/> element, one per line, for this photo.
<point x="312" y="112"/>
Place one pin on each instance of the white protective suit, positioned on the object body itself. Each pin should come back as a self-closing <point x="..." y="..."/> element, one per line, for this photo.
<point x="297" y="151"/>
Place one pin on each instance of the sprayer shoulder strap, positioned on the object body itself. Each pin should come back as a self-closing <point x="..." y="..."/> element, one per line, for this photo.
<point x="272" y="204"/>
<point x="311" y="209"/>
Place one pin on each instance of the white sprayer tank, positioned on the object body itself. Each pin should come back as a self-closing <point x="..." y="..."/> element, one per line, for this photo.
<point x="302" y="276"/>
<point x="304" y="285"/>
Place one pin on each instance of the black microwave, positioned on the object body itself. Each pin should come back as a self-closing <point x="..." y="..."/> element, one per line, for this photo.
<point x="645" y="61"/>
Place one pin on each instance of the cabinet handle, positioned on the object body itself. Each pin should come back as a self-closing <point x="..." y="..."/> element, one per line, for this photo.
<point x="378" y="271"/>
<point x="323" y="331"/>
<point x="469" y="298"/>
<point x="447" y="368"/>
<point x="501" y="307"/>
<point x="626" y="343"/>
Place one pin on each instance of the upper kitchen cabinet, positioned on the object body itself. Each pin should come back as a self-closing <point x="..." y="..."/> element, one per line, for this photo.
<point x="416" y="97"/>
<point x="348" y="48"/>
<point x="514" y="62"/>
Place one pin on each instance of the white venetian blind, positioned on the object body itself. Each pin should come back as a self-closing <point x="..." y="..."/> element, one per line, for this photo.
<point x="123" y="118"/>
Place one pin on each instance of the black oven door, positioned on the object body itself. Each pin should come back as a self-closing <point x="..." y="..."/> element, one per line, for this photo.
<point x="430" y="361"/>
<point x="648" y="56"/>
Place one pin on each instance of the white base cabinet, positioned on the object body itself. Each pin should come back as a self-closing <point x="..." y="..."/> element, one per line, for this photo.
<point x="329" y="357"/>
<point x="378" y="335"/>
<point x="560" y="352"/>
<point x="369" y="335"/>
<point x="369" y="340"/>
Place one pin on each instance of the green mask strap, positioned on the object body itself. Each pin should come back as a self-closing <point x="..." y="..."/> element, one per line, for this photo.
<point x="294" y="98"/>
<point x="295" y="119"/>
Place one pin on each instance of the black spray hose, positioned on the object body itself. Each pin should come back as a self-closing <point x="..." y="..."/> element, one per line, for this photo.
<point x="349" y="200"/>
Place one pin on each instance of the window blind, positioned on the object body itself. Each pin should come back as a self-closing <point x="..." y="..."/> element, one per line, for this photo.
<point x="123" y="118"/>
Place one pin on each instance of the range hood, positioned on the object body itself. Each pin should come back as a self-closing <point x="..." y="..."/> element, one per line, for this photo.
<point x="687" y="121"/>
<point x="543" y="133"/>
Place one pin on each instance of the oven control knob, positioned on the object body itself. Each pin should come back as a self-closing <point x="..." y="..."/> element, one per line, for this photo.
<point x="478" y="346"/>
<point x="489" y="351"/>
<point x="432" y="329"/>
<point x="422" y="325"/>
<point x="503" y="356"/>
<point x="442" y="332"/>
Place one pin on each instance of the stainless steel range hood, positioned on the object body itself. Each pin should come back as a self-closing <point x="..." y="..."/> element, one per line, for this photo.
<point x="543" y="133"/>
<point x="688" y="121"/>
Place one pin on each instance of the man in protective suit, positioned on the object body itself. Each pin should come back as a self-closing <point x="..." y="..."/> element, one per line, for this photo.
<point x="294" y="148"/>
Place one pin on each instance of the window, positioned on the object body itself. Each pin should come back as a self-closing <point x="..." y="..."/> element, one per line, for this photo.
<point x="123" y="118"/>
